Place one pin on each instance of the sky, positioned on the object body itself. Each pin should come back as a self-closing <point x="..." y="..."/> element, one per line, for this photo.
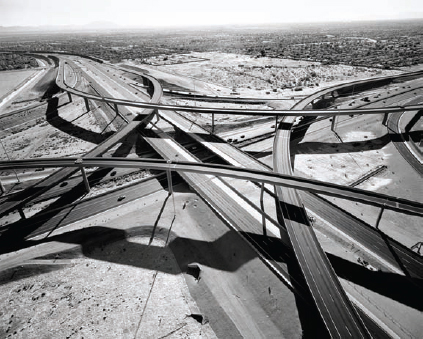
<point x="198" y="12"/>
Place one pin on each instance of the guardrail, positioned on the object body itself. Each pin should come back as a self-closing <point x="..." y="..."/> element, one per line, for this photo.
<point x="155" y="91"/>
<point x="315" y="186"/>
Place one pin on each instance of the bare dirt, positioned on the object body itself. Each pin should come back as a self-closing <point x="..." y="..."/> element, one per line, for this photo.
<point x="360" y="145"/>
<point x="99" y="281"/>
<point x="47" y="292"/>
<point x="259" y="77"/>
<point x="100" y="278"/>
<point x="54" y="134"/>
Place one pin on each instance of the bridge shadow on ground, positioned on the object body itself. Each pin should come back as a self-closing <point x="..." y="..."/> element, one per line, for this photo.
<point x="390" y="285"/>
<point x="414" y="136"/>
<point x="47" y="86"/>
<point x="413" y="121"/>
<point x="54" y="119"/>
<point x="221" y="254"/>
<point x="259" y="154"/>
<point x="14" y="234"/>
<point x="92" y="241"/>
<point x="345" y="147"/>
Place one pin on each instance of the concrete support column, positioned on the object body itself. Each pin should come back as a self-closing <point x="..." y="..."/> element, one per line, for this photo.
<point x="263" y="217"/>
<point x="212" y="130"/>
<point x="116" y="109"/>
<point x="70" y="97"/>
<point x="2" y="190"/>
<point x="21" y="213"/>
<point x="169" y="178"/>
<point x="332" y="127"/>
<point x="417" y="247"/>
<point x="84" y="177"/>
<point x="86" y="104"/>
<point x="385" y="119"/>
<point x="379" y="217"/>
<point x="276" y="123"/>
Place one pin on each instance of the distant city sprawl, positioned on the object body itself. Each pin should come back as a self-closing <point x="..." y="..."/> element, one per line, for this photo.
<point x="386" y="45"/>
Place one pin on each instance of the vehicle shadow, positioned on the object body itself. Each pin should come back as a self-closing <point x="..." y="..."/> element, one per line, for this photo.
<point x="54" y="119"/>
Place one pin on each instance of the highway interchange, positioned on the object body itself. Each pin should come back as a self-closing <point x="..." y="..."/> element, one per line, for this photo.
<point x="337" y="312"/>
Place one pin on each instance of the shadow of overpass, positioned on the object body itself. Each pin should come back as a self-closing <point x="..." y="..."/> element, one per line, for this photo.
<point x="345" y="147"/>
<point x="14" y="234"/>
<point x="54" y="119"/>
<point x="90" y="242"/>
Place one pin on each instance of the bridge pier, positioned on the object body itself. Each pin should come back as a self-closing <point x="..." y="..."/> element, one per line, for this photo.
<point x="379" y="217"/>
<point x="87" y="106"/>
<point x="21" y="213"/>
<point x="263" y="217"/>
<point x="169" y="178"/>
<point x="276" y="123"/>
<point x="385" y="119"/>
<point x="2" y="189"/>
<point x="417" y="247"/>
<point x="212" y="130"/>
<point x="69" y="96"/>
<point x="156" y="113"/>
<point x="84" y="177"/>
<point x="332" y="127"/>
<point x="116" y="109"/>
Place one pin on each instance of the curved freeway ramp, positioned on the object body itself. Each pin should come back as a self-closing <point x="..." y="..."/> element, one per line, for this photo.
<point x="335" y="308"/>
<point x="19" y="200"/>
<point x="337" y="312"/>
<point x="333" y="304"/>
<point x="395" y="133"/>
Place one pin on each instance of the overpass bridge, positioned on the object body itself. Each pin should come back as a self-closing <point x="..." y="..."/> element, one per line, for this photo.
<point x="339" y="315"/>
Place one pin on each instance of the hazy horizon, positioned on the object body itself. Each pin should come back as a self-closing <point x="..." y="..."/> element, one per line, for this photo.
<point x="109" y="24"/>
<point x="190" y="13"/>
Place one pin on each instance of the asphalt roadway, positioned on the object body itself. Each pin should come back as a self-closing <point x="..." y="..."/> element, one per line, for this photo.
<point x="14" y="236"/>
<point x="302" y="219"/>
<point x="337" y="312"/>
<point x="20" y="199"/>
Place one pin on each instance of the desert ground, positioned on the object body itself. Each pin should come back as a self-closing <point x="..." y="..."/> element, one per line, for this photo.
<point x="102" y="278"/>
